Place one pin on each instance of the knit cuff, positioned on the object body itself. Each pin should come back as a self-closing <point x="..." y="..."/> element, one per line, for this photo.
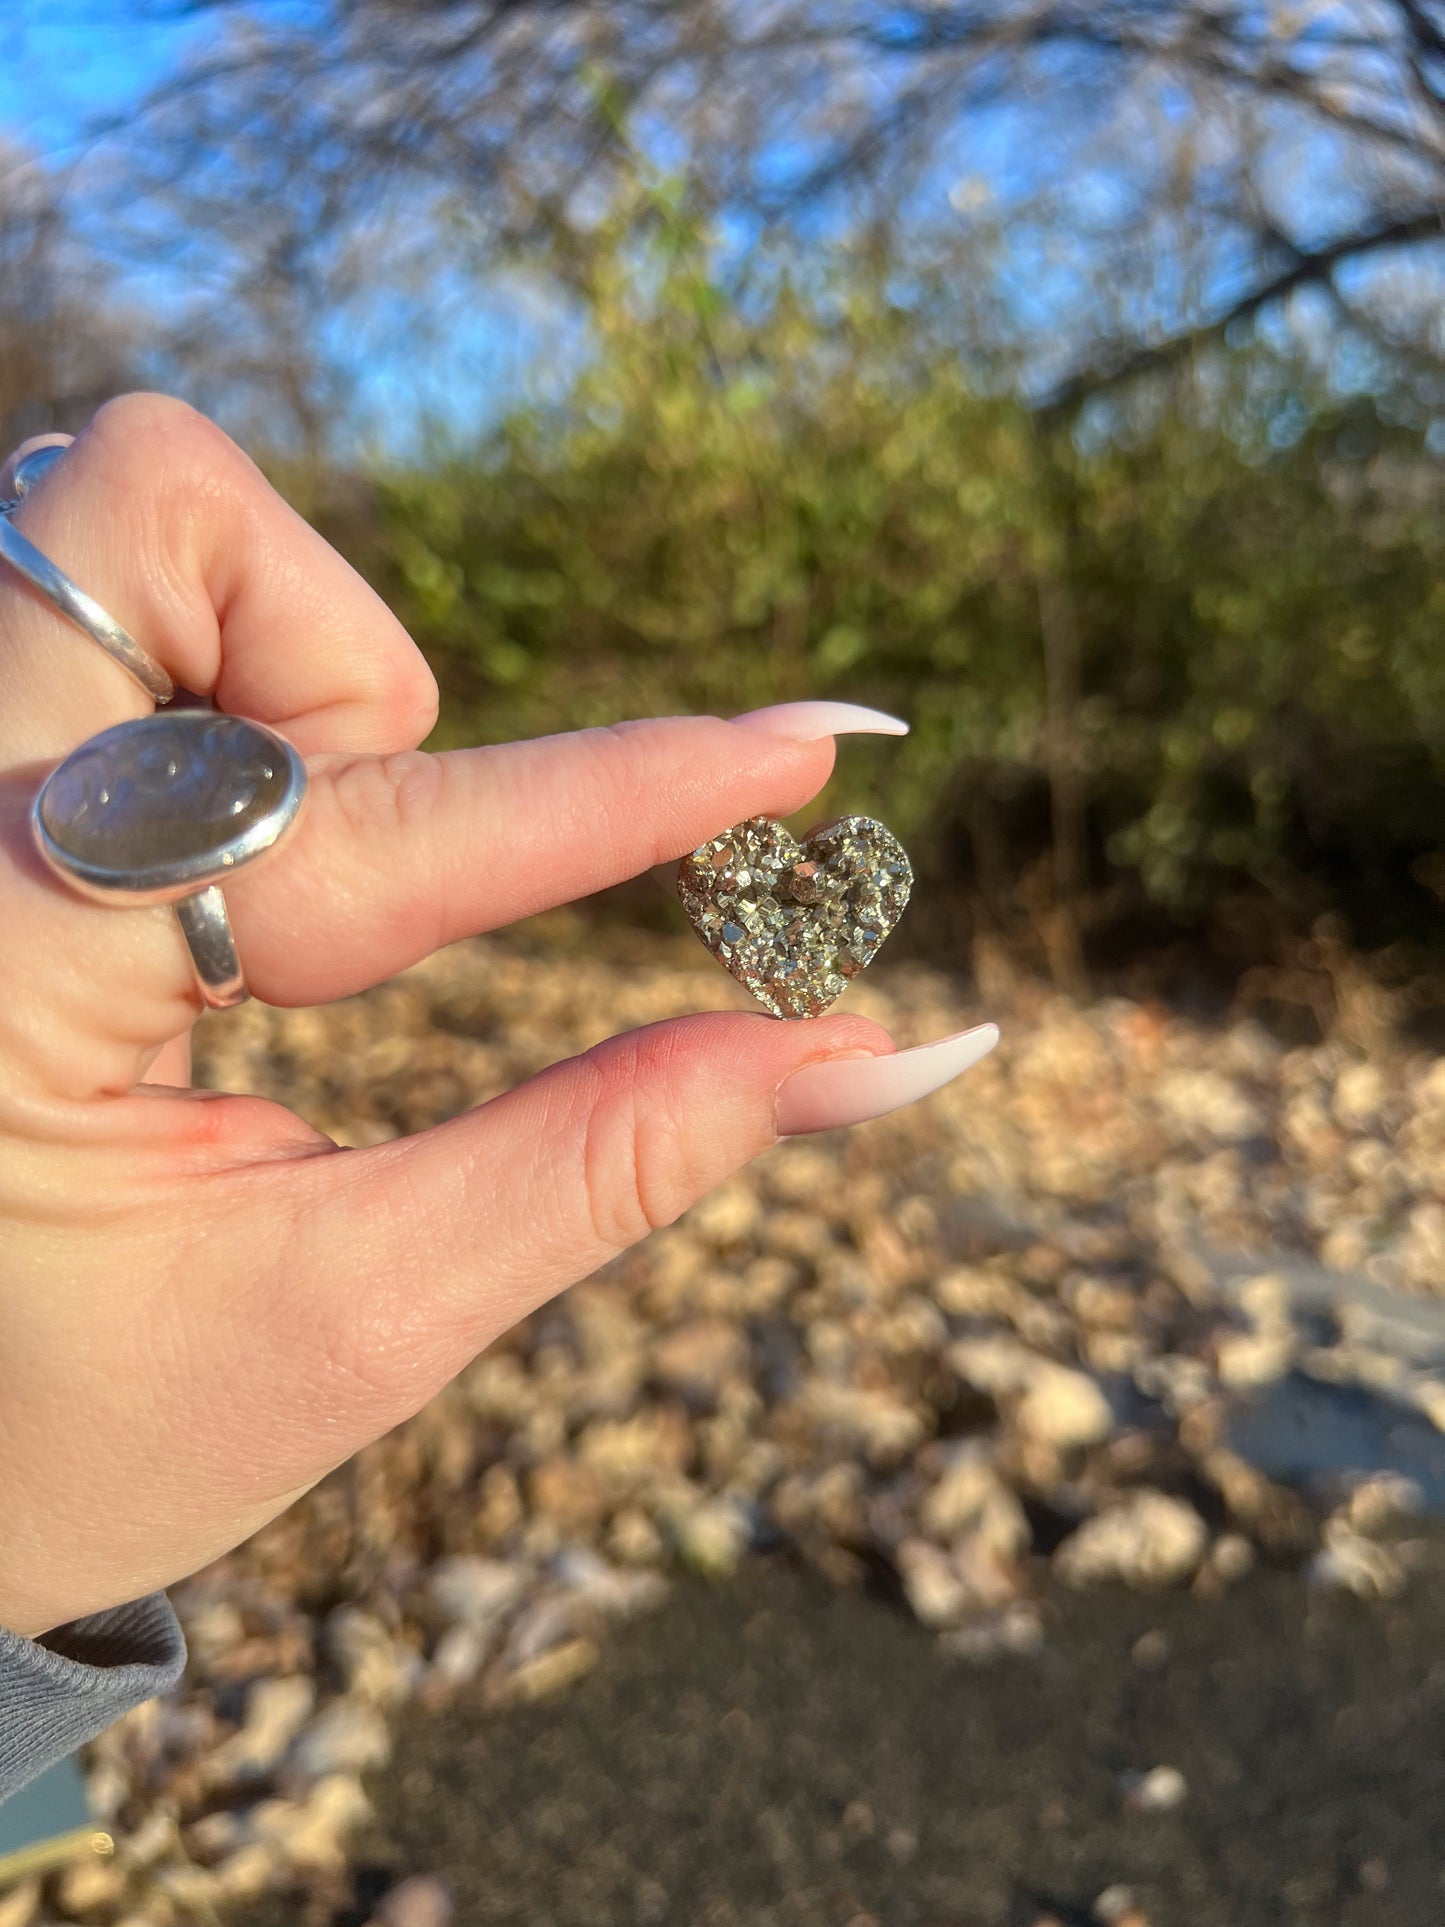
<point x="62" y="1689"/>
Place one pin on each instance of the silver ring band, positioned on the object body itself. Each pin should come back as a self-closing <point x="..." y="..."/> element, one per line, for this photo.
<point x="68" y="597"/>
<point x="207" y="931"/>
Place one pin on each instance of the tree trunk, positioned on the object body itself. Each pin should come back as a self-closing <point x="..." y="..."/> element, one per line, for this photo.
<point x="1063" y="689"/>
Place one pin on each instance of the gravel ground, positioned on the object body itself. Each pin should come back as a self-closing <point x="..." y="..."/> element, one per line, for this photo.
<point x="780" y="1753"/>
<point x="1138" y="1302"/>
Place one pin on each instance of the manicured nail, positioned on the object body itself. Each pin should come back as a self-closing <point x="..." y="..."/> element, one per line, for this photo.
<point x="850" y="1090"/>
<point x="810" y="722"/>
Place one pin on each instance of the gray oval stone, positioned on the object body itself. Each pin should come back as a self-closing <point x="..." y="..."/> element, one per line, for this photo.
<point x="174" y="799"/>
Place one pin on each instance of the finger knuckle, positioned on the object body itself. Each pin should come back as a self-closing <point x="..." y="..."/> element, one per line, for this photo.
<point x="627" y="761"/>
<point x="377" y="1352"/>
<point x="640" y="1161"/>
<point x="381" y="795"/>
<point x="173" y="462"/>
<point x="396" y="802"/>
<point x="370" y="1366"/>
<point x="150" y="429"/>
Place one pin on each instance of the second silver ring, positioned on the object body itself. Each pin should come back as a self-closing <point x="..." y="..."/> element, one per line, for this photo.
<point x="68" y="596"/>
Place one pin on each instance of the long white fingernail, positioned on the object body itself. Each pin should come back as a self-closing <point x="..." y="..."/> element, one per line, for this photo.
<point x="811" y="721"/>
<point x="850" y="1090"/>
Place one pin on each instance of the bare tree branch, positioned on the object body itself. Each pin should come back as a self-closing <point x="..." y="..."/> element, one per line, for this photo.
<point x="1309" y="268"/>
<point x="466" y="131"/>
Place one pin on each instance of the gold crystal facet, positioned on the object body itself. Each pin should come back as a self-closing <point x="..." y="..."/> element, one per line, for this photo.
<point x="793" y="922"/>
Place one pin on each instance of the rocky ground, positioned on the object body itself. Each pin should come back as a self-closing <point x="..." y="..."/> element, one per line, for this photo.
<point x="1136" y="1301"/>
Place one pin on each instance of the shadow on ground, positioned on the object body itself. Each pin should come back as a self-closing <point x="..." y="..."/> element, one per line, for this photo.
<point x="784" y="1754"/>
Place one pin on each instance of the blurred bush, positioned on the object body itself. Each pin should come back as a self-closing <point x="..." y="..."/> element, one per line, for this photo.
<point x="1194" y="647"/>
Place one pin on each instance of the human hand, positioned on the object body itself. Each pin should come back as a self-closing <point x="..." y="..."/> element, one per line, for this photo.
<point x="206" y="1304"/>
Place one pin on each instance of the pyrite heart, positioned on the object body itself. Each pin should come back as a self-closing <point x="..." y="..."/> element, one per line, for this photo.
<point x="792" y="921"/>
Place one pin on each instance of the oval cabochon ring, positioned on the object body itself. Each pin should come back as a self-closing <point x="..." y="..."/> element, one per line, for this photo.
<point x="161" y="810"/>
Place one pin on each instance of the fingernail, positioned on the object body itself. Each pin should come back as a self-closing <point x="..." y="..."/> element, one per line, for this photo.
<point x="810" y="722"/>
<point x="850" y="1090"/>
<point x="35" y="464"/>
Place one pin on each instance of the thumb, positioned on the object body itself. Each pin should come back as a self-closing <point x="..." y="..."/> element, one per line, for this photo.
<point x="412" y="1256"/>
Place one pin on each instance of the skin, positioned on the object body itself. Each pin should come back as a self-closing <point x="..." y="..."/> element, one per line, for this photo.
<point x="206" y="1304"/>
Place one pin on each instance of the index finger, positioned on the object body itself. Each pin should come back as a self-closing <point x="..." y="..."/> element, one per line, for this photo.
<point x="396" y="856"/>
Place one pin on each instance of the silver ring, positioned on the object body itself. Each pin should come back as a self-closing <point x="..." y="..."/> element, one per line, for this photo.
<point x="161" y="809"/>
<point x="71" y="600"/>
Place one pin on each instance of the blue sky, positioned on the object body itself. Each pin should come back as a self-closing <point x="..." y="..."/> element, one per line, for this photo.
<point x="64" y="62"/>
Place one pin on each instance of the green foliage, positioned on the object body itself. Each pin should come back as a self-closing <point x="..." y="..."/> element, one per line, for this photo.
<point x="792" y="490"/>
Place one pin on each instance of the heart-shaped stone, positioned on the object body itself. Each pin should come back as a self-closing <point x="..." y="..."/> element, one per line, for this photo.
<point x="792" y="921"/>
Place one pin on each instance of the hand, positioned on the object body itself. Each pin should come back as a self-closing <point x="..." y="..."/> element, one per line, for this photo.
<point x="205" y="1304"/>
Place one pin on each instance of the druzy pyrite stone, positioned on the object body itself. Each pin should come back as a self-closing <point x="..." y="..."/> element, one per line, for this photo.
<point x="795" y="921"/>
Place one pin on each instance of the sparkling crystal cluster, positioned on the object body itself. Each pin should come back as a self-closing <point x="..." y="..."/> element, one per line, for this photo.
<point x="795" y="921"/>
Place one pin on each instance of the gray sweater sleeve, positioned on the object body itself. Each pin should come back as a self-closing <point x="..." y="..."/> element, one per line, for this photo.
<point x="63" y="1688"/>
